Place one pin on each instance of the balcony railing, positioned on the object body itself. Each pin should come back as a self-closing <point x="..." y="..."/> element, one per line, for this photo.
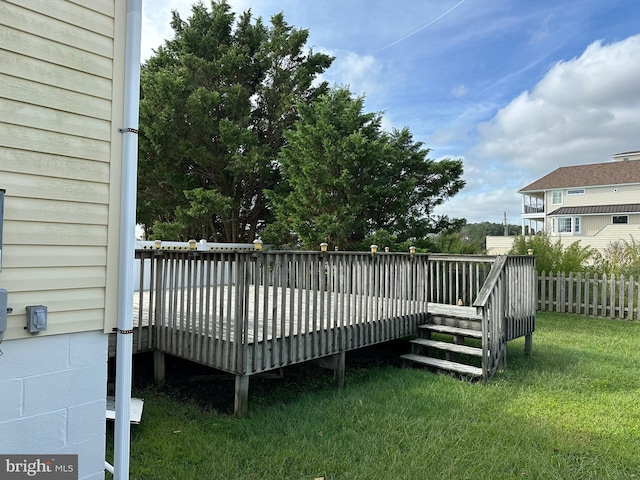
<point x="533" y="209"/>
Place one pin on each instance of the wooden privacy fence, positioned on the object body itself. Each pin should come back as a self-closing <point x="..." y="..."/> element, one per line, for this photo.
<point x="595" y="295"/>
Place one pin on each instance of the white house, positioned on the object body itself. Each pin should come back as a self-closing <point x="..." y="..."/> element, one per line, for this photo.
<point x="62" y="89"/>
<point x="596" y="203"/>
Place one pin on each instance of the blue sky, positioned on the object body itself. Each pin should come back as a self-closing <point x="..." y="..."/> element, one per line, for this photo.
<point x="514" y="88"/>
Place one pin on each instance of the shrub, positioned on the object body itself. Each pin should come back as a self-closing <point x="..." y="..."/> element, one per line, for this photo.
<point x="553" y="256"/>
<point x="619" y="258"/>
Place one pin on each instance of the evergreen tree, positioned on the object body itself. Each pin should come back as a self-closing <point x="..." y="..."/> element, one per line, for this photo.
<point x="215" y="103"/>
<point x="347" y="181"/>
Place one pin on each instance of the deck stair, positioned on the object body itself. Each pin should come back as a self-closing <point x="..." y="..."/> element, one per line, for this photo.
<point x="451" y="351"/>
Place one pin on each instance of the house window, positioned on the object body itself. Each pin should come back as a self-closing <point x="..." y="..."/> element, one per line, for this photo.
<point x="556" y="198"/>
<point x="621" y="219"/>
<point x="566" y="225"/>
<point x="575" y="191"/>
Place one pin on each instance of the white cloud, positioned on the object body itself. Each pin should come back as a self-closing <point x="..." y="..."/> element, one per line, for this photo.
<point x="582" y="111"/>
<point x="487" y="206"/>
<point x="459" y="90"/>
<point x="156" y="18"/>
<point x="241" y="6"/>
<point x="361" y="73"/>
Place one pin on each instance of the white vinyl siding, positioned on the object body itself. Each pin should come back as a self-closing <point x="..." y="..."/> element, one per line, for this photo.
<point x="60" y="159"/>
<point x="609" y="195"/>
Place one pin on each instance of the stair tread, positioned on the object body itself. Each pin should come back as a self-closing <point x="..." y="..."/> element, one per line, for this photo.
<point x="451" y="347"/>
<point x="453" y="311"/>
<point x="465" y="332"/>
<point x="443" y="364"/>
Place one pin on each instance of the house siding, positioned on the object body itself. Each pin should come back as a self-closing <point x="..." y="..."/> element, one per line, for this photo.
<point x="61" y="91"/>
<point x="606" y="195"/>
<point x="59" y="161"/>
<point x="591" y="225"/>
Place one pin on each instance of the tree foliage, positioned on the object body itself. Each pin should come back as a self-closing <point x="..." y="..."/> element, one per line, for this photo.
<point x="347" y="181"/>
<point x="215" y="103"/>
<point x="470" y="238"/>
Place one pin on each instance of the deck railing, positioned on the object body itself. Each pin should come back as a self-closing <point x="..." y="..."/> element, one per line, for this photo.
<point x="457" y="279"/>
<point x="503" y="290"/>
<point x="289" y="307"/>
<point x="533" y="209"/>
<point x="507" y="303"/>
<point x="247" y="312"/>
<point x="491" y="304"/>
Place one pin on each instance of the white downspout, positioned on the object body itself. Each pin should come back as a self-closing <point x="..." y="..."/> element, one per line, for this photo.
<point x="124" y="343"/>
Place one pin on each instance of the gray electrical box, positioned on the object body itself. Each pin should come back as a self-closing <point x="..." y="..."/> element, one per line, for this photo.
<point x="36" y="318"/>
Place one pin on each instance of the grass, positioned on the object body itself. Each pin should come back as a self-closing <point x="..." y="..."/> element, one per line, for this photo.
<point x="571" y="411"/>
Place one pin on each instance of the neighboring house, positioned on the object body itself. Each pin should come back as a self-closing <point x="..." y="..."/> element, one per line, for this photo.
<point x="61" y="104"/>
<point x="597" y="204"/>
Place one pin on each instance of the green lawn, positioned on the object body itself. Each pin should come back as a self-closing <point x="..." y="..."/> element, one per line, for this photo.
<point x="571" y="411"/>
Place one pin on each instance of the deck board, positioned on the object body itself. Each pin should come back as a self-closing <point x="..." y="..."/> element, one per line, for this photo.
<point x="460" y="311"/>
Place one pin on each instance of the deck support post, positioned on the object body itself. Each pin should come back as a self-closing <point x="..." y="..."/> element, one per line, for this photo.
<point x="159" y="367"/>
<point x="241" y="398"/>
<point x="337" y="363"/>
<point x="502" y="361"/>
<point x="339" y="369"/>
<point x="528" y="344"/>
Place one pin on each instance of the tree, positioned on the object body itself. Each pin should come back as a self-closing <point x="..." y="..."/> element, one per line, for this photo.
<point x="215" y="103"/>
<point x="346" y="180"/>
<point x="471" y="238"/>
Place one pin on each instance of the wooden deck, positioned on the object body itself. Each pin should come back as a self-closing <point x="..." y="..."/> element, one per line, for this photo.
<point x="281" y="326"/>
<point x="186" y="335"/>
<point x="250" y="312"/>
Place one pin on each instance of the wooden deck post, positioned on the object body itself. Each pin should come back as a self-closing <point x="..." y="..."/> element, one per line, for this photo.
<point x="502" y="361"/>
<point x="528" y="344"/>
<point x="339" y="369"/>
<point x="241" y="398"/>
<point x="337" y="363"/>
<point x="159" y="368"/>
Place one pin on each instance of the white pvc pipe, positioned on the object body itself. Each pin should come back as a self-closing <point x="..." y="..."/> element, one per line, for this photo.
<point x="108" y="467"/>
<point x="124" y="343"/>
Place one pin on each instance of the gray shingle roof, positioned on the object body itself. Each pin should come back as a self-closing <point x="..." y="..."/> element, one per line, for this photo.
<point x="609" y="173"/>
<point x="597" y="209"/>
